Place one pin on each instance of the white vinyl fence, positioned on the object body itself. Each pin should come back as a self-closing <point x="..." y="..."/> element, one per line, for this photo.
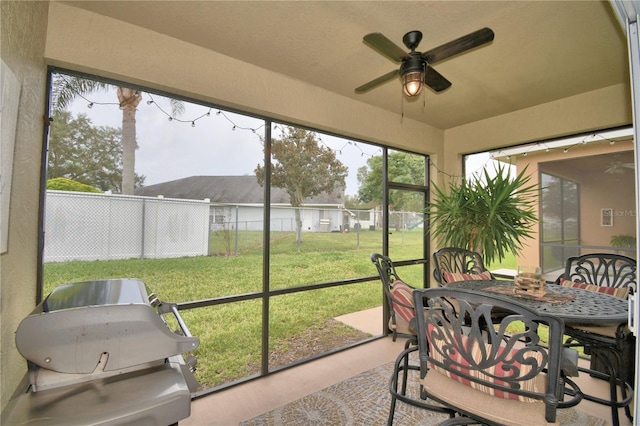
<point x="86" y="226"/>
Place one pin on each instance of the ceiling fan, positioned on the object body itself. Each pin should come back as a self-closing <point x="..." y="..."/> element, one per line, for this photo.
<point x="415" y="67"/>
<point x="617" y="167"/>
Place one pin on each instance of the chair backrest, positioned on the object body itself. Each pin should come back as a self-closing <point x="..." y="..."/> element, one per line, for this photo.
<point x="602" y="270"/>
<point x="507" y="360"/>
<point x="398" y="295"/>
<point x="457" y="261"/>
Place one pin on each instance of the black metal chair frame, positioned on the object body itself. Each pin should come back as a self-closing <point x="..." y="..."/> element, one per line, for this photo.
<point x="388" y="276"/>
<point x="456" y="260"/>
<point x="610" y="270"/>
<point x="453" y="313"/>
<point x="605" y="270"/>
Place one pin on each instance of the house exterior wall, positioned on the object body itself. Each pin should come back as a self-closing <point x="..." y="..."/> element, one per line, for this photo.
<point x="23" y="32"/>
<point x="598" y="190"/>
<point x="605" y="108"/>
<point x="609" y="107"/>
<point x="251" y="218"/>
<point x="35" y="34"/>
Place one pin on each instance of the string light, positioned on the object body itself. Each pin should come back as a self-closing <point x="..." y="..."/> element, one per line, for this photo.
<point x="234" y="126"/>
<point x="81" y="96"/>
<point x="151" y="101"/>
<point x="339" y="151"/>
<point x="565" y="149"/>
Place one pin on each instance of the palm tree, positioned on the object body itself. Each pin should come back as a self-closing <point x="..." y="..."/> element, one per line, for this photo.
<point x="67" y="88"/>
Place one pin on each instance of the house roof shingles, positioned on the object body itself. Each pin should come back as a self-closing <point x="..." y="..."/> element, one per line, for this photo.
<point x="228" y="190"/>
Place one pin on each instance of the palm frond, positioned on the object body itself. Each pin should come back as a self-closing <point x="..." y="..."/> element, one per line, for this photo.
<point x="65" y="89"/>
<point x="489" y="214"/>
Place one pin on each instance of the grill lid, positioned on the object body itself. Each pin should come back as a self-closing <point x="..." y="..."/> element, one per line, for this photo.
<point x="78" y="323"/>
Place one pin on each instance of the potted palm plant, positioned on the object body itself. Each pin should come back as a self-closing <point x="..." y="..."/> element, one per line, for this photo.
<point x="487" y="214"/>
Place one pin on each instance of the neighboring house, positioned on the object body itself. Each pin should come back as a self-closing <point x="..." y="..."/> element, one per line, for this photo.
<point x="237" y="202"/>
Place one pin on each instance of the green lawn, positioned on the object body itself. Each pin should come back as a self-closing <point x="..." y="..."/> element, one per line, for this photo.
<point x="230" y="334"/>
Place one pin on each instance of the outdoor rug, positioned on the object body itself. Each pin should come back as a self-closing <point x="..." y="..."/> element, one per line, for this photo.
<point x="364" y="400"/>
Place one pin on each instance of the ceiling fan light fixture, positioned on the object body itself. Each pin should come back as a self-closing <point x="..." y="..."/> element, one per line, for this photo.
<point x="412" y="83"/>
<point x="415" y="67"/>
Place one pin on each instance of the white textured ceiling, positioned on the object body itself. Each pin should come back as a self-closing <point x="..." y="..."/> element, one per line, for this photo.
<point x="543" y="50"/>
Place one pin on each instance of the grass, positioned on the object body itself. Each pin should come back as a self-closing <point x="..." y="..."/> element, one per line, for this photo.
<point x="230" y="334"/>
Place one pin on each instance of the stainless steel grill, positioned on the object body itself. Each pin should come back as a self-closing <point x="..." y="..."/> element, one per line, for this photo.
<point x="101" y="352"/>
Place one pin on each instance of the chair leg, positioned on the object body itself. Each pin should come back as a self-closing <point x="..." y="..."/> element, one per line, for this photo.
<point x="615" y="380"/>
<point x="613" y="390"/>
<point x="405" y="368"/>
<point x="393" y="386"/>
<point x="460" y="420"/>
<point x="392" y="411"/>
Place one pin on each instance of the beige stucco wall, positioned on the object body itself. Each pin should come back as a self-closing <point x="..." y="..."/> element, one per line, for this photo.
<point x="605" y="108"/>
<point x="600" y="109"/>
<point x="23" y="31"/>
<point x="75" y="39"/>
<point x="598" y="190"/>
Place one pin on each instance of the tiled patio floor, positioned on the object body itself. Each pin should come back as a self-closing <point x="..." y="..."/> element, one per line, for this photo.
<point x="245" y="401"/>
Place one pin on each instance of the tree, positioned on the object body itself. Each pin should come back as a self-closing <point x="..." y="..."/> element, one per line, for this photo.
<point x="67" y="88"/>
<point x="85" y="153"/>
<point x="403" y="168"/>
<point x="64" y="184"/>
<point x="303" y="168"/>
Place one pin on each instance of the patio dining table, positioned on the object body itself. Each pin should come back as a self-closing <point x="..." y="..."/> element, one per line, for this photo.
<point x="573" y="305"/>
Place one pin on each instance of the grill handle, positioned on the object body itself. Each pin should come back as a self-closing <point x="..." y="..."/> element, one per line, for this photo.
<point x="166" y="308"/>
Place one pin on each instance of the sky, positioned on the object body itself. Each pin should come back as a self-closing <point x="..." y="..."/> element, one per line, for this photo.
<point x="197" y="144"/>
<point x="205" y="141"/>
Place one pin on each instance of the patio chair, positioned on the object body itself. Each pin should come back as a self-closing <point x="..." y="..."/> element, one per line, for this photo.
<point x="458" y="264"/>
<point x="482" y="374"/>
<point x="612" y="347"/>
<point x="398" y="295"/>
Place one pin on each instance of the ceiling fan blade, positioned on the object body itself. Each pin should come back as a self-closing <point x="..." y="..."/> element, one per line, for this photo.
<point x="378" y="81"/>
<point x="435" y="80"/>
<point x="459" y="45"/>
<point x="385" y="46"/>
